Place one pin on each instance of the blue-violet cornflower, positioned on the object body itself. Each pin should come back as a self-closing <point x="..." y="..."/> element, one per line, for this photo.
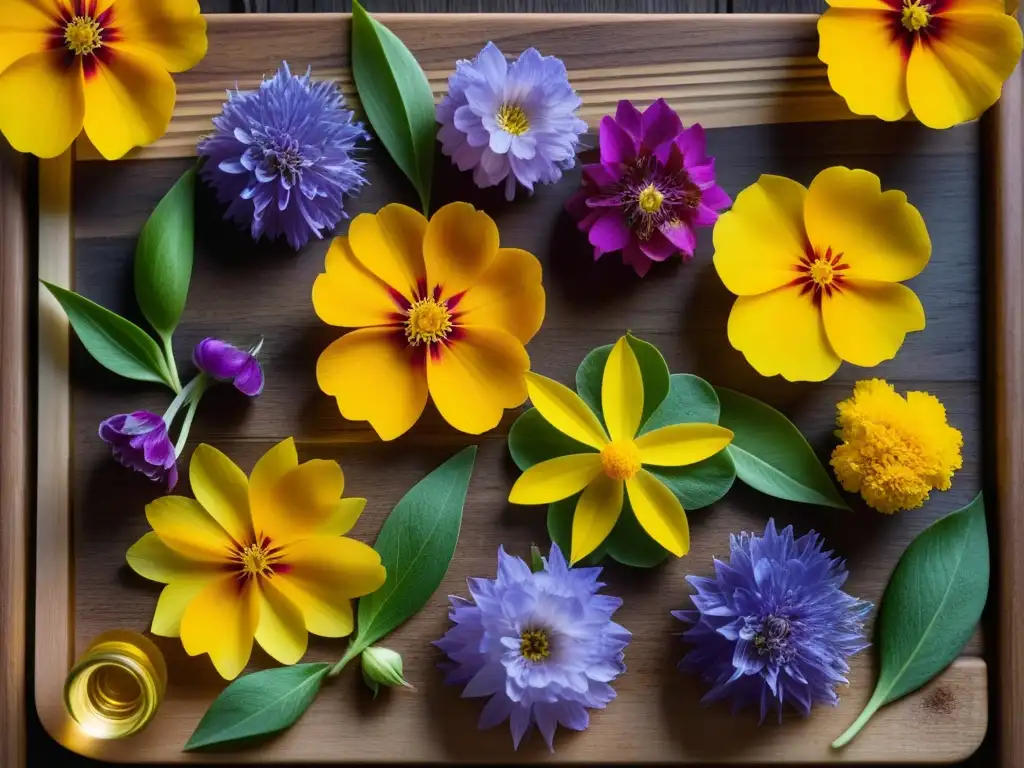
<point x="226" y="362"/>
<point x="281" y="157"/>
<point x="139" y="441"/>
<point x="773" y="625"/>
<point x="510" y="122"/>
<point x="541" y="645"/>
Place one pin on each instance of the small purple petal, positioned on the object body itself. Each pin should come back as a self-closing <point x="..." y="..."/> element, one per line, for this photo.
<point x="610" y="233"/>
<point x="629" y="117"/>
<point x="250" y="380"/>
<point x="660" y="124"/>
<point x="139" y="441"/>
<point x="226" y="362"/>
<point x="616" y="144"/>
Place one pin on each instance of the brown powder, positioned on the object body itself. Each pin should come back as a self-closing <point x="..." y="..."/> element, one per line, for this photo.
<point x="940" y="701"/>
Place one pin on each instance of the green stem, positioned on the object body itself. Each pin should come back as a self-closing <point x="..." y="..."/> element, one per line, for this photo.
<point x="184" y="394"/>
<point x="876" y="702"/>
<point x="197" y="387"/>
<point x="171" y="367"/>
<point x="351" y="652"/>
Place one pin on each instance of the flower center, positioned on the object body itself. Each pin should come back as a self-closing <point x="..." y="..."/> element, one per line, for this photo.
<point x="255" y="559"/>
<point x="83" y="35"/>
<point x="534" y="645"/>
<point x="915" y="15"/>
<point x="512" y="118"/>
<point x="429" y="322"/>
<point x="771" y="635"/>
<point x="822" y="272"/>
<point x="620" y="460"/>
<point x="650" y="199"/>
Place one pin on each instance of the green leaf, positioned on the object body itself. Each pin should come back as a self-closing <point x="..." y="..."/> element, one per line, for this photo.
<point x="690" y="399"/>
<point x="115" y="343"/>
<point x="416" y="545"/>
<point x="396" y="97"/>
<point x="560" y="515"/>
<point x="163" y="257"/>
<point x="629" y="544"/>
<point x="931" y="606"/>
<point x="536" y="559"/>
<point x="771" y="455"/>
<point x="653" y="370"/>
<point x="701" y="484"/>
<point x="259" y="704"/>
<point x="532" y="440"/>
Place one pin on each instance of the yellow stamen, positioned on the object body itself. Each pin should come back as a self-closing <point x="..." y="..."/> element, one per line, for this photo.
<point x="822" y="272"/>
<point x="534" y="645"/>
<point x="620" y="460"/>
<point x="429" y="321"/>
<point x="512" y="118"/>
<point x="255" y="560"/>
<point x="83" y="35"/>
<point x="915" y="15"/>
<point x="650" y="199"/>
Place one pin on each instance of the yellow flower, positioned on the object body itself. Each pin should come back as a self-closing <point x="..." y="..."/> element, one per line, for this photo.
<point x="98" y="64"/>
<point x="944" y="59"/>
<point x="263" y="558"/>
<point x="818" y="272"/>
<point x="894" y="451"/>
<point x="615" y="466"/>
<point x="438" y="308"/>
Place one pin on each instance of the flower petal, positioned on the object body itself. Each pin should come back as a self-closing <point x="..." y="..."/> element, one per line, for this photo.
<point x="474" y="378"/>
<point x="761" y="240"/>
<point x="597" y="511"/>
<point x="622" y="392"/>
<point x="171" y="31"/>
<point x="959" y="72"/>
<point x="221" y="621"/>
<point x="174" y="600"/>
<point x="659" y="512"/>
<point x="187" y="528"/>
<point x="680" y="444"/>
<point x="565" y="410"/>
<point x="351" y="296"/>
<point x="44" y="106"/>
<point x="153" y="559"/>
<point x="390" y="245"/>
<point x="268" y="473"/>
<point x="26" y="28"/>
<point x="616" y="145"/>
<point x="866" y="63"/>
<point x="376" y="377"/>
<point x="879" y="234"/>
<point x="867" y="321"/>
<point x="781" y="332"/>
<point x="128" y="103"/>
<point x="220" y="359"/>
<point x="223" y="491"/>
<point x="509" y="296"/>
<point x="555" y="479"/>
<point x="342" y="517"/>
<point x="281" y="630"/>
<point x="660" y="124"/>
<point x="459" y="246"/>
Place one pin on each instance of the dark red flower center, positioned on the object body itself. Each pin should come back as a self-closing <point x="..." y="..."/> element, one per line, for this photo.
<point x="820" y="273"/>
<point x="916" y="21"/>
<point x="655" y="196"/>
<point x="85" y="34"/>
<point x="428" y="322"/>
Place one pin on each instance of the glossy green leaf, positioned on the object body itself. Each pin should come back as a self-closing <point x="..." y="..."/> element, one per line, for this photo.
<point x="689" y="399"/>
<point x="259" y="704"/>
<point x="115" y="343"/>
<point x="930" y="608"/>
<point x="560" y="514"/>
<point x="532" y="440"/>
<point x="163" y="257"/>
<point x="771" y="455"/>
<point x="396" y="97"/>
<point x="653" y="370"/>
<point x="629" y="544"/>
<point x="701" y="484"/>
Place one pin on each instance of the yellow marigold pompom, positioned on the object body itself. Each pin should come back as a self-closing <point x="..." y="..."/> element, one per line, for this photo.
<point x="894" y="450"/>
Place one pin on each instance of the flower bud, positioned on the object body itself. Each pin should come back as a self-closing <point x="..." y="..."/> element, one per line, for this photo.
<point x="382" y="666"/>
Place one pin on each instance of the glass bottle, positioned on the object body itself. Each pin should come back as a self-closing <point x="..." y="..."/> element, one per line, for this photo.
<point x="117" y="685"/>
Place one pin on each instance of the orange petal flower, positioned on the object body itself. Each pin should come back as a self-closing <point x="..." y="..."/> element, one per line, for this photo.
<point x="438" y="307"/>
<point x="101" y="65"/>
<point x="945" y="60"/>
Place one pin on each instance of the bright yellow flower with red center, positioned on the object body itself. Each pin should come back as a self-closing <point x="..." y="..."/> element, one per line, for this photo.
<point x="101" y="65"/>
<point x="817" y="272"/>
<point x="944" y="59"/>
<point x="263" y="558"/>
<point x="438" y="307"/>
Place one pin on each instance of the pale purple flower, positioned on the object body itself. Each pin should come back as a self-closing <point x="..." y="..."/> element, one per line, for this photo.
<point x="654" y="185"/>
<point x="282" y="157"/>
<point x="542" y="646"/>
<point x="139" y="441"/>
<point x="773" y="625"/>
<point x="226" y="362"/>
<point x="510" y="122"/>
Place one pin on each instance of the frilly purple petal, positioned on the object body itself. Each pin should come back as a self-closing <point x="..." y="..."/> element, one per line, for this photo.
<point x="139" y="441"/>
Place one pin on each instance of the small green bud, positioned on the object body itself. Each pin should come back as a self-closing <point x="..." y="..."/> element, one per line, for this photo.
<point x="382" y="666"/>
<point x="536" y="559"/>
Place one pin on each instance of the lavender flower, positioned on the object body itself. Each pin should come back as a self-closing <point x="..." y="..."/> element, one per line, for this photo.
<point x="773" y="625"/>
<point x="139" y="441"/>
<point x="510" y="122"/>
<point x="282" y="157"/>
<point x="226" y="362"/>
<point x="541" y="645"/>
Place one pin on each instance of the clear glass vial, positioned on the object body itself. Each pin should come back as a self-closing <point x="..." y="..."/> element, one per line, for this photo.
<point x="117" y="685"/>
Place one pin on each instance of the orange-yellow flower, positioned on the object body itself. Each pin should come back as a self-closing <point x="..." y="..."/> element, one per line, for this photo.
<point x="438" y="307"/>
<point x="944" y="59"/>
<point x="263" y="558"/>
<point x="817" y="272"/>
<point x="101" y="65"/>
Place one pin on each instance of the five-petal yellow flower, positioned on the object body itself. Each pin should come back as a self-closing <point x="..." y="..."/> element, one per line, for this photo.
<point x="263" y="558"/>
<point x="615" y="466"/>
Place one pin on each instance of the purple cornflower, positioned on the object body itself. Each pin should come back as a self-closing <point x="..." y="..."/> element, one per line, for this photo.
<point x="281" y="157"/>
<point x="541" y="645"/>
<point x="510" y="122"/>
<point x="774" y="625"/>
<point x="139" y="441"/>
<point x="226" y="362"/>
<point x="652" y="188"/>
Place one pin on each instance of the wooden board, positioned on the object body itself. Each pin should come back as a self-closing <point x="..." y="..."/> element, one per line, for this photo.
<point x="680" y="308"/>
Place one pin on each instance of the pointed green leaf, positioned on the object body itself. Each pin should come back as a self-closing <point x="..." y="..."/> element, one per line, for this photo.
<point x="629" y="544"/>
<point x="771" y="455"/>
<point x="532" y="440"/>
<point x="115" y="343"/>
<point x="701" y="484"/>
<point x="560" y="514"/>
<point x="689" y="399"/>
<point x="930" y="607"/>
<point x="259" y="704"/>
<point x="536" y="559"/>
<point x="653" y="370"/>
<point x="396" y="97"/>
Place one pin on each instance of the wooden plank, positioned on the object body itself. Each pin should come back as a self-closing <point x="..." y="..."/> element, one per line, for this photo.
<point x="494" y="6"/>
<point x="778" y="6"/>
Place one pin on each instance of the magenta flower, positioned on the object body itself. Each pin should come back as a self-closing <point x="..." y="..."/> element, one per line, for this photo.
<point x="139" y="441"/>
<point x="226" y="362"/>
<point x="652" y="188"/>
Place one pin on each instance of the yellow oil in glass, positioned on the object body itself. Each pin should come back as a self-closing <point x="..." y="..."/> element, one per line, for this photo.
<point x="117" y="686"/>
